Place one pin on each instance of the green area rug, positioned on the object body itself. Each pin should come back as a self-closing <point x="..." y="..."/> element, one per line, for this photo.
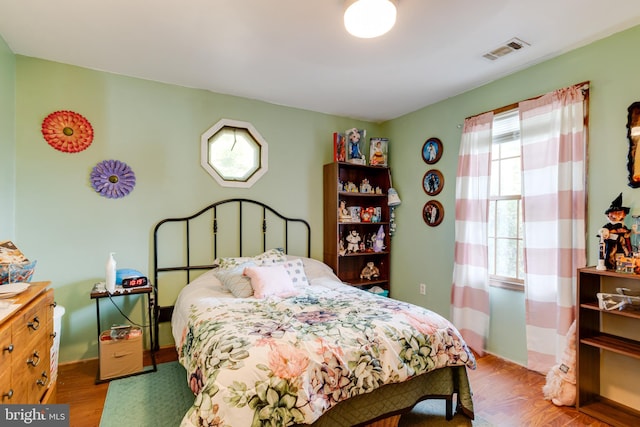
<point x="157" y="399"/>
<point x="160" y="399"/>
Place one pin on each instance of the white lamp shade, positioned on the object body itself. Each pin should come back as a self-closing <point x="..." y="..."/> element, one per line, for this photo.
<point x="369" y="18"/>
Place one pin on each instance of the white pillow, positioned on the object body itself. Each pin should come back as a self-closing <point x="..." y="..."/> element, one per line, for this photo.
<point x="295" y="268"/>
<point x="234" y="281"/>
<point x="315" y="269"/>
<point x="270" y="257"/>
<point x="267" y="281"/>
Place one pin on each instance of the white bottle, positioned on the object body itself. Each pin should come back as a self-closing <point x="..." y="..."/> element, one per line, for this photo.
<point x="111" y="274"/>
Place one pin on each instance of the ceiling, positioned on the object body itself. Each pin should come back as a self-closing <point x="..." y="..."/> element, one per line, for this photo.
<point x="296" y="52"/>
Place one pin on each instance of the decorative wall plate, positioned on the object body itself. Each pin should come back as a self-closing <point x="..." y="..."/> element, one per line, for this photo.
<point x="67" y="131"/>
<point x="432" y="213"/>
<point x="432" y="150"/>
<point x="113" y="179"/>
<point x="432" y="182"/>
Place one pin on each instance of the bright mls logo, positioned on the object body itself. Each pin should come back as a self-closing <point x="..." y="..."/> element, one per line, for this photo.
<point x="34" y="415"/>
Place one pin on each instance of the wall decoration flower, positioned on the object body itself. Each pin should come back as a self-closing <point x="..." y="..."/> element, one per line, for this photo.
<point x="67" y="131"/>
<point x="113" y="179"/>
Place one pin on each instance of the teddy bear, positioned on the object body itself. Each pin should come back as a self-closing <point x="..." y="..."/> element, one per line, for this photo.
<point x="370" y="271"/>
<point x="560" y="386"/>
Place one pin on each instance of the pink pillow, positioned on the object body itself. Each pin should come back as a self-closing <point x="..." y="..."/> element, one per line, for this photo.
<point x="272" y="280"/>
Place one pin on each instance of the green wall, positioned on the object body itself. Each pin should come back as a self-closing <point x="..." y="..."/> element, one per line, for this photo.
<point x="156" y="128"/>
<point x="427" y="253"/>
<point x="7" y="141"/>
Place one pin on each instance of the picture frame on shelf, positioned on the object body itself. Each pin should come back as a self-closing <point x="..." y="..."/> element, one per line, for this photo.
<point x="378" y="151"/>
<point x="432" y="182"/>
<point x="355" y="212"/>
<point x="355" y="138"/>
<point x="433" y="213"/>
<point x="432" y="150"/>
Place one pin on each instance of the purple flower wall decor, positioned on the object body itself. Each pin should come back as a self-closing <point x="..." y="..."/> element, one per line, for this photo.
<point x="113" y="179"/>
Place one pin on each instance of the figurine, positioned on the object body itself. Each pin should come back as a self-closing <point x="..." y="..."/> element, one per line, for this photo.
<point x="377" y="155"/>
<point x="365" y="187"/>
<point x="560" y="386"/>
<point x="341" y="249"/>
<point x="615" y="237"/>
<point x="377" y="214"/>
<point x="366" y="214"/>
<point x="355" y="155"/>
<point x="370" y="271"/>
<point x="343" y="212"/>
<point x="353" y="241"/>
<point x="378" y="244"/>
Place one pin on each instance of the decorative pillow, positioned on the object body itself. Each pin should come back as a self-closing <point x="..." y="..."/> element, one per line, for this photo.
<point x="295" y="268"/>
<point x="314" y="269"/>
<point x="270" y="257"/>
<point x="267" y="281"/>
<point x="233" y="280"/>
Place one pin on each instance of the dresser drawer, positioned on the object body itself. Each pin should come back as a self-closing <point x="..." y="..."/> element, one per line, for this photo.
<point x="6" y="357"/>
<point x="31" y="370"/>
<point x="26" y="337"/>
<point x="31" y="325"/>
<point x="6" y="347"/>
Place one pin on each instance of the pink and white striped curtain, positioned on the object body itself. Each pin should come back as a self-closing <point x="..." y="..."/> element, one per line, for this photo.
<point x="554" y="150"/>
<point x="470" y="290"/>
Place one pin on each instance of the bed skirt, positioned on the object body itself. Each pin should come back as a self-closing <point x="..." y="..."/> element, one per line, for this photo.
<point x="393" y="399"/>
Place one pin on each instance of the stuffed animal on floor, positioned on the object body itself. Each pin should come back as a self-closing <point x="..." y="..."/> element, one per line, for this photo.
<point x="560" y="387"/>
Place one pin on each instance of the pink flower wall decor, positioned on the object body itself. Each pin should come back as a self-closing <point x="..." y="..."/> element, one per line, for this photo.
<point x="67" y="131"/>
<point x="112" y="179"/>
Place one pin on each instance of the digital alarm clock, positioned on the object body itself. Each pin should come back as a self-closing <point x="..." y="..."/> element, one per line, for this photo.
<point x="133" y="282"/>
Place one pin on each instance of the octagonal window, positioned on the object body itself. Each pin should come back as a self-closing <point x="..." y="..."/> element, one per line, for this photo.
<point x="234" y="153"/>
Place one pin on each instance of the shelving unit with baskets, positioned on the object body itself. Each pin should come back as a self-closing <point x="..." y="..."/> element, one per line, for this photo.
<point x="608" y="353"/>
<point x="349" y="265"/>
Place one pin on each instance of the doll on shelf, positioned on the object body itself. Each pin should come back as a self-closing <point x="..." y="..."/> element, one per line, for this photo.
<point x="615" y="237"/>
<point x="343" y="213"/>
<point x="353" y="241"/>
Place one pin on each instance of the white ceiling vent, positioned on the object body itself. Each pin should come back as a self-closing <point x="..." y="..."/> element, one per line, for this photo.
<point x="511" y="46"/>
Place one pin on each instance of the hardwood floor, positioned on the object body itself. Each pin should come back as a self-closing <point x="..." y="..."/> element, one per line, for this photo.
<point x="505" y="394"/>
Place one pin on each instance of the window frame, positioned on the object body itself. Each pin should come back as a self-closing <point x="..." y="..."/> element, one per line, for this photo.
<point x="224" y="125"/>
<point x="495" y="280"/>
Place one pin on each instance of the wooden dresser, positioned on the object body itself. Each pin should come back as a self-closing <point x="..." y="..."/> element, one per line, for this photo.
<point x="26" y="337"/>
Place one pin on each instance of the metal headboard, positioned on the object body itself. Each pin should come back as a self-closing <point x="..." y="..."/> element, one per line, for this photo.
<point x="185" y="264"/>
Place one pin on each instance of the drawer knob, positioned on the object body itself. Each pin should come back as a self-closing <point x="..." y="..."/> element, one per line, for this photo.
<point x="9" y="349"/>
<point x="8" y="394"/>
<point x="43" y="381"/>
<point x="35" y="324"/>
<point x="35" y="360"/>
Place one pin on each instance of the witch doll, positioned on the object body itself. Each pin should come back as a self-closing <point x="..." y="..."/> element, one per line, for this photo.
<point x="615" y="237"/>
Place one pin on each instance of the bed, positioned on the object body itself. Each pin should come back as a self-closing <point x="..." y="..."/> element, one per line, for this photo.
<point x="270" y="336"/>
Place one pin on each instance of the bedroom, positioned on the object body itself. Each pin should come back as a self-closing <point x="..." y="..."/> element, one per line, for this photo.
<point x="49" y="209"/>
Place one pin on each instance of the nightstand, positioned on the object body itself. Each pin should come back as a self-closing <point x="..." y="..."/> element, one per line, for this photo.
<point x="144" y="291"/>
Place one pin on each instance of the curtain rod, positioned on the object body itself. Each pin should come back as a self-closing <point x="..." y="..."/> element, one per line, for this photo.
<point x="583" y="85"/>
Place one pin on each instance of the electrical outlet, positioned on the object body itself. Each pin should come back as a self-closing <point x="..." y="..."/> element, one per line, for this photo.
<point x="423" y="289"/>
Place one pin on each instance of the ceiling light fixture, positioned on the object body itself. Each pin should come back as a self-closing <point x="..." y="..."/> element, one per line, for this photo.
<point x="369" y="18"/>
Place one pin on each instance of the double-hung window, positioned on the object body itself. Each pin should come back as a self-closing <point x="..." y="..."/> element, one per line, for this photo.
<point x="506" y="248"/>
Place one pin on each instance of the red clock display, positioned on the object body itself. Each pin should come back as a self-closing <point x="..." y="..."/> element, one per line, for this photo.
<point x="132" y="282"/>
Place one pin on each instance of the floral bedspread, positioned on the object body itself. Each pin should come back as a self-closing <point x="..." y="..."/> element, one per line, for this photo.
<point x="279" y="362"/>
